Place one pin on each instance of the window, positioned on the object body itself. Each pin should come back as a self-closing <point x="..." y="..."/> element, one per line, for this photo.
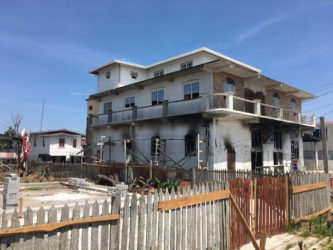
<point x="107" y="74"/>
<point x="74" y="143"/>
<point x="35" y="141"/>
<point x="256" y="138"/>
<point x="129" y="101"/>
<point x="90" y="107"/>
<point x="229" y="85"/>
<point x="276" y="100"/>
<point x="191" y="90"/>
<point x="43" y="142"/>
<point x="293" y="107"/>
<point x="159" y="73"/>
<point x="134" y="74"/>
<point x="190" y="145"/>
<point x="278" y="158"/>
<point x="293" y="104"/>
<point x="186" y="65"/>
<point x="294" y="150"/>
<point x="157" y="97"/>
<point x="277" y="140"/>
<point x="155" y="145"/>
<point x="107" y="107"/>
<point x="61" y="142"/>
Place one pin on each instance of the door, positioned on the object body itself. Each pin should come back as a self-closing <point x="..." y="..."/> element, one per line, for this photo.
<point x="231" y="160"/>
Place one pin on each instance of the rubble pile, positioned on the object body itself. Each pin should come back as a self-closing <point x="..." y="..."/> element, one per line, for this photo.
<point x="78" y="182"/>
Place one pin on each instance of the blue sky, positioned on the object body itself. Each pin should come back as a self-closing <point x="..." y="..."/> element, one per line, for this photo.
<point x="47" y="47"/>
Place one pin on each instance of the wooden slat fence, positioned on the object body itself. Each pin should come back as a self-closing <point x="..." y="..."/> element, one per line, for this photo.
<point x="93" y="235"/>
<point x="241" y="191"/>
<point x="271" y="205"/>
<point x="199" y="226"/>
<point x="307" y="202"/>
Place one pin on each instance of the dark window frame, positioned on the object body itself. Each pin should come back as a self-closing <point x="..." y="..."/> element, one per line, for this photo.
<point x="61" y="142"/>
<point x="191" y="90"/>
<point x="190" y="144"/>
<point x="107" y="107"/>
<point x="277" y="135"/>
<point x="129" y="101"/>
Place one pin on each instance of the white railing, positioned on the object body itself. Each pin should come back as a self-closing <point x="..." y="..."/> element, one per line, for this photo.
<point x="219" y="102"/>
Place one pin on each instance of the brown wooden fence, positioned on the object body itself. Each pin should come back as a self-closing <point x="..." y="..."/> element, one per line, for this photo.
<point x="263" y="203"/>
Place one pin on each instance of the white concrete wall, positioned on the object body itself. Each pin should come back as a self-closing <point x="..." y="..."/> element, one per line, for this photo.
<point x="173" y="91"/>
<point x="173" y="66"/>
<point x="52" y="146"/>
<point x="235" y="134"/>
<point x="103" y="83"/>
<point x="144" y="131"/>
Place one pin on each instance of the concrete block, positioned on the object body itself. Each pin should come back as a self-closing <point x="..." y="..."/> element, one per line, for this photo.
<point x="121" y="189"/>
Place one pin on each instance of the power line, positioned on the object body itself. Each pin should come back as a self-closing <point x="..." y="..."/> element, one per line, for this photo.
<point x="319" y="107"/>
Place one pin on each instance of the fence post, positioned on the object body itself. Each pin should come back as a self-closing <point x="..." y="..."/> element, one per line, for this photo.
<point x="194" y="179"/>
<point x="150" y="169"/>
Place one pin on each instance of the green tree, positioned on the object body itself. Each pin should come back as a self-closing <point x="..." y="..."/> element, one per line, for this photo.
<point x="15" y="144"/>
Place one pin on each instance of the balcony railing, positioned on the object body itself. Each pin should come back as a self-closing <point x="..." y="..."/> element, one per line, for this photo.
<point x="216" y="103"/>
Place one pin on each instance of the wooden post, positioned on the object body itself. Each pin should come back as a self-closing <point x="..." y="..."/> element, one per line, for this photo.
<point x="150" y="169"/>
<point x="246" y="226"/>
<point x="125" y="162"/>
<point x="193" y="177"/>
<point x="20" y="204"/>
<point x="324" y="142"/>
<point x="262" y="240"/>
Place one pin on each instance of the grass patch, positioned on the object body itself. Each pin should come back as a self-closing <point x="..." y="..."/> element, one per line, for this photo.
<point x="33" y="188"/>
<point x="290" y="246"/>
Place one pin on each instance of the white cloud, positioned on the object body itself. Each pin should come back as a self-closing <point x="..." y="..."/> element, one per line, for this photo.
<point x="254" y="30"/>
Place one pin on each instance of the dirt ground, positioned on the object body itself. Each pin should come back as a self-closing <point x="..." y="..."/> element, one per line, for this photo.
<point x="290" y="241"/>
<point x="56" y="194"/>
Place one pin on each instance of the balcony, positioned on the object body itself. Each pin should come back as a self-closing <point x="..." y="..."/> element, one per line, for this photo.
<point x="221" y="104"/>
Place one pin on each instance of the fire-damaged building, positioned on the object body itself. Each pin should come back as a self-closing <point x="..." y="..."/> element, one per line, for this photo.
<point x="193" y="110"/>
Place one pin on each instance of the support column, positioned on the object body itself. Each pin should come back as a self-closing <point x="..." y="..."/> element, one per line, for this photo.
<point x="316" y="155"/>
<point x="300" y="150"/>
<point x="230" y="100"/>
<point x="257" y="107"/>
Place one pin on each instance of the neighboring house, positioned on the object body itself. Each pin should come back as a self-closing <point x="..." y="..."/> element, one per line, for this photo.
<point x="60" y="145"/>
<point x="244" y="119"/>
<point x="313" y="149"/>
<point x="7" y="153"/>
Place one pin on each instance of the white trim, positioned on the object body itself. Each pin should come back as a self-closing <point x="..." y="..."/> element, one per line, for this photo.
<point x="204" y="49"/>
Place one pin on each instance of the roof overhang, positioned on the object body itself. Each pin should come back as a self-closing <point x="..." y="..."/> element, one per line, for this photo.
<point x="269" y="83"/>
<point x="141" y="84"/>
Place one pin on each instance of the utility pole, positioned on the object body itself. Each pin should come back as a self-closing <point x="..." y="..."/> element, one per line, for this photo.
<point x="198" y="151"/>
<point x="324" y="143"/>
<point x="100" y="157"/>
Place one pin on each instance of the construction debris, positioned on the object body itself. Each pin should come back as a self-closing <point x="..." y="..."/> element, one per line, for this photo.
<point x="111" y="180"/>
<point x="78" y="182"/>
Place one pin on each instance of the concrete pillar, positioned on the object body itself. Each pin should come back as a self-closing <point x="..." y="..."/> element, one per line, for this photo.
<point x="230" y="100"/>
<point x="315" y="155"/>
<point x="301" y="150"/>
<point x="165" y="104"/>
<point x="110" y="116"/>
<point x="257" y="107"/>
<point x="134" y="113"/>
<point x="205" y="101"/>
<point x="299" y="117"/>
<point x="280" y="113"/>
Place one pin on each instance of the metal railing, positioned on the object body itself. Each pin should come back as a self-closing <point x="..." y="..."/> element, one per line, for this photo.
<point x="219" y="102"/>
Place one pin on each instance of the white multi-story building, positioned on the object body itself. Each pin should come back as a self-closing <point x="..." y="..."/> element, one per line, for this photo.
<point x="55" y="145"/>
<point x="244" y="119"/>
